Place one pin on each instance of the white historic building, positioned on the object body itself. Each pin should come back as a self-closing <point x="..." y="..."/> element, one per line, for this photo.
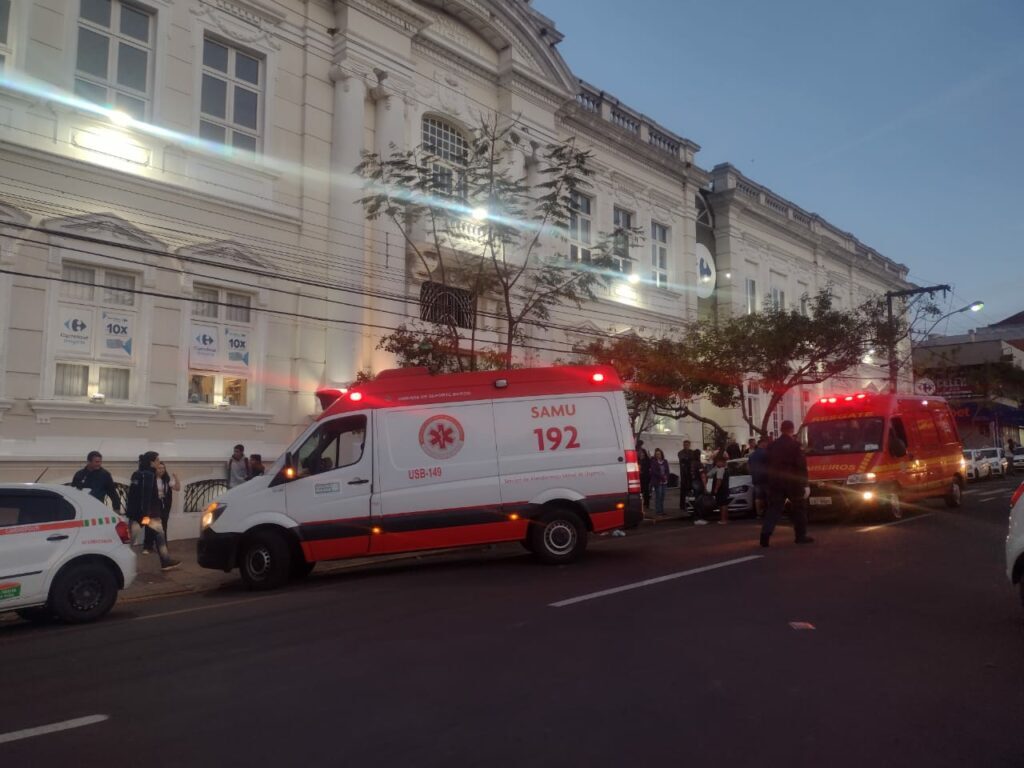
<point x="183" y="260"/>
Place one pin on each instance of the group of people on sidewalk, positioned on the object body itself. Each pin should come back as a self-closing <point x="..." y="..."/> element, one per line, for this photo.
<point x="148" y="503"/>
<point x="778" y="474"/>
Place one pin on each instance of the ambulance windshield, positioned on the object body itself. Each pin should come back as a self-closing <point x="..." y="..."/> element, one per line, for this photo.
<point x="827" y="438"/>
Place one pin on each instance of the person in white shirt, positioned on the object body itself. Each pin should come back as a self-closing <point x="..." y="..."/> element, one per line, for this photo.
<point x="238" y="467"/>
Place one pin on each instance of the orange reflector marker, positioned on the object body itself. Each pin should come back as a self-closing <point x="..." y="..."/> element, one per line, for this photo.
<point x="620" y="505"/>
<point x="513" y="516"/>
<point x="289" y="473"/>
<point x="375" y="530"/>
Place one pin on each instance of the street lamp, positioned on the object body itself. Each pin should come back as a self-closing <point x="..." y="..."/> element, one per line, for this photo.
<point x="974" y="306"/>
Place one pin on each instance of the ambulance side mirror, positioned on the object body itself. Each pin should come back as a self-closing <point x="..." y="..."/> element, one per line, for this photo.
<point x="287" y="473"/>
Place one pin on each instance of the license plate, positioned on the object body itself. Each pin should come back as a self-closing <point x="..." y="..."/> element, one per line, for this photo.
<point x="821" y="501"/>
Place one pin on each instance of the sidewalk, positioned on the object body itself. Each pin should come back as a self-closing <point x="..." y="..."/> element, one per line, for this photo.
<point x="151" y="582"/>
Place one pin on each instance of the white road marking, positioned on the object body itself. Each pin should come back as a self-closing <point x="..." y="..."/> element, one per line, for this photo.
<point x="895" y="522"/>
<point x="42" y="730"/>
<point x="651" y="582"/>
<point x="799" y="625"/>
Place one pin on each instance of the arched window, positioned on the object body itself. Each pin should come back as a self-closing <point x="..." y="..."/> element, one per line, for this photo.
<point x="450" y="151"/>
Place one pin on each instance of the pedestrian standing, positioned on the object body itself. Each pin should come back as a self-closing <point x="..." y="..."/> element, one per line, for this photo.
<point x="787" y="482"/>
<point x="237" y="467"/>
<point x="166" y="485"/>
<point x="719" y="477"/>
<point x="750" y="447"/>
<point x="659" y="481"/>
<point x="143" y="508"/>
<point x="732" y="448"/>
<point x="256" y="467"/>
<point x="644" y="460"/>
<point x="97" y="481"/>
<point x="685" y="473"/>
<point x="698" y="482"/>
<point x="757" y="463"/>
<point x="1011" y="446"/>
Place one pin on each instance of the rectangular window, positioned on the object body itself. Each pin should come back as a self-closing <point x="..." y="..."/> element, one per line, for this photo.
<point x="622" y="227"/>
<point x="72" y="380"/>
<point x="805" y="306"/>
<point x="579" y="228"/>
<point x="96" y="325"/>
<point x="5" y="37"/>
<point x="218" y="389"/>
<point x="778" y="298"/>
<point x="231" y="102"/>
<point x="237" y="309"/>
<point x="659" y="254"/>
<point x="751" y="296"/>
<point x="201" y="388"/>
<point x="115" y="53"/>
<point x="205" y="302"/>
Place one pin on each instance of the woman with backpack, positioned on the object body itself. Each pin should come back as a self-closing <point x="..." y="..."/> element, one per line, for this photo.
<point x="144" y="509"/>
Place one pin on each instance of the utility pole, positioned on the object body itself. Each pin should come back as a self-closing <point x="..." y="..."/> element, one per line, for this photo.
<point x="889" y="296"/>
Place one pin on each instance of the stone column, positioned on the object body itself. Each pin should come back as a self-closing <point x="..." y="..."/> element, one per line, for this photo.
<point x="346" y="229"/>
<point x="385" y="255"/>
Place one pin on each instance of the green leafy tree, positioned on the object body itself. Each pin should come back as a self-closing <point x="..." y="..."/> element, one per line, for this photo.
<point x="490" y="221"/>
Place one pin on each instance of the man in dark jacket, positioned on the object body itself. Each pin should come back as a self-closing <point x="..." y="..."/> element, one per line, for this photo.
<point x="787" y="481"/>
<point x="685" y="473"/>
<point x="143" y="507"/>
<point x="96" y="480"/>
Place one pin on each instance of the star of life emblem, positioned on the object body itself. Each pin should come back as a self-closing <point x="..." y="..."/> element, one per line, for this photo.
<point x="442" y="437"/>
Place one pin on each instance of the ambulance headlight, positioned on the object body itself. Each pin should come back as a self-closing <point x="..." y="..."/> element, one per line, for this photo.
<point x="861" y="479"/>
<point x="212" y="512"/>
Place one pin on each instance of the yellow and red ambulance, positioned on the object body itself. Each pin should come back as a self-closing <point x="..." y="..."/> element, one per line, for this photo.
<point x="412" y="461"/>
<point x="873" y="453"/>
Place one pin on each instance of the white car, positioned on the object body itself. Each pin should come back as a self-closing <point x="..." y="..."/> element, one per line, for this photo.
<point x="741" y="488"/>
<point x="996" y="458"/>
<point x="63" y="554"/>
<point x="1015" y="541"/>
<point x="976" y="468"/>
<point x="1018" y="458"/>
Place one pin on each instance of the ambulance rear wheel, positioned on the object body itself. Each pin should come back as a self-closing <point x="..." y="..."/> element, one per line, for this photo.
<point x="558" y="537"/>
<point x="264" y="560"/>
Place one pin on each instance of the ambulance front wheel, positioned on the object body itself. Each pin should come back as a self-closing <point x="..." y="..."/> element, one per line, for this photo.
<point x="264" y="560"/>
<point x="558" y="537"/>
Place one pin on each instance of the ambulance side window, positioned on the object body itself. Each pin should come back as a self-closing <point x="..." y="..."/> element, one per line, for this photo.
<point x="897" y="438"/>
<point x="337" y="443"/>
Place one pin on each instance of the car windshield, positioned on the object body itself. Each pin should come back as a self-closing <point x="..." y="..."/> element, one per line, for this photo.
<point x="827" y="438"/>
<point x="1018" y="451"/>
<point x="738" y="467"/>
<point x="968" y="456"/>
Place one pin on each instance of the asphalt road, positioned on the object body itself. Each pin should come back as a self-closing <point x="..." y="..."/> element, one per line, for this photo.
<point x="912" y="655"/>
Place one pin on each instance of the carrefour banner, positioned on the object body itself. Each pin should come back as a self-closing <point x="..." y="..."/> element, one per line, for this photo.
<point x="116" y="334"/>
<point x="203" y="347"/>
<point x="74" y="330"/>
<point x="236" y="346"/>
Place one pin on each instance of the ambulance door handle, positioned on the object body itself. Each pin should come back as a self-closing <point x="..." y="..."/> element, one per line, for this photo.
<point x="358" y="481"/>
<point x="57" y="537"/>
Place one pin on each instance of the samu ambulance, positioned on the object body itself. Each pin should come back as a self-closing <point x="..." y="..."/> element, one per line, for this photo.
<point x="871" y="453"/>
<point x="412" y="461"/>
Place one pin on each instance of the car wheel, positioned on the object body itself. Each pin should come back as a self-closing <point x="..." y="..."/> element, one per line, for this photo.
<point x="264" y="560"/>
<point x="40" y="614"/>
<point x="83" y="592"/>
<point x="955" y="495"/>
<point x="892" y="507"/>
<point x="558" y="537"/>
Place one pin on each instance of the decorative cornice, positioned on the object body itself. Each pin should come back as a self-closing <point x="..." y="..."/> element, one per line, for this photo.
<point x="47" y="410"/>
<point x="5" y="405"/>
<point x="186" y="415"/>
<point x="226" y="250"/>
<point x="105" y="225"/>
<point x="250" y="22"/>
<point x="402" y="17"/>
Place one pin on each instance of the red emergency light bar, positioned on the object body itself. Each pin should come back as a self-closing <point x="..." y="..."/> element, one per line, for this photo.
<point x="598" y="377"/>
<point x="844" y="399"/>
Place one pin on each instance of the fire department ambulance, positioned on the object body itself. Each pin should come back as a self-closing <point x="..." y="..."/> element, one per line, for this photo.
<point x="412" y="461"/>
<point x="869" y="453"/>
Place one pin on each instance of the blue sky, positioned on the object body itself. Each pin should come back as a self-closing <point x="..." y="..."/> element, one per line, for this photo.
<point x="901" y="121"/>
